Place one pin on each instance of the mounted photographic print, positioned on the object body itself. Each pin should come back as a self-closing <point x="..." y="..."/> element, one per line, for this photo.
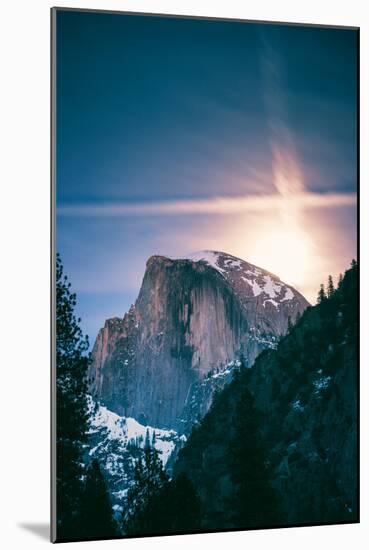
<point x="205" y="275"/>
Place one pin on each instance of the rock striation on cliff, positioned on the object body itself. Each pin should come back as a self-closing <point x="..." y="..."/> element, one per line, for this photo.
<point x="193" y="316"/>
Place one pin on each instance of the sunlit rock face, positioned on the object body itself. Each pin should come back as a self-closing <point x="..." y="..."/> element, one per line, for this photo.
<point x="193" y="316"/>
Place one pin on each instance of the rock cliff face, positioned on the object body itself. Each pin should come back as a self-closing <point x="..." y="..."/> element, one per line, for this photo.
<point x="192" y="316"/>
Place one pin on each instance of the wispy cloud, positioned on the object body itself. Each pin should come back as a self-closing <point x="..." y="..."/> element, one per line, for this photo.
<point x="215" y="205"/>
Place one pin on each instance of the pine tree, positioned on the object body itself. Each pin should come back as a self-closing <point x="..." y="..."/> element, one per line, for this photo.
<point x="330" y="288"/>
<point x="321" y="294"/>
<point x="340" y="279"/>
<point x="149" y="479"/>
<point x="177" y="508"/>
<point x="147" y="439"/>
<point x="165" y="507"/>
<point x="71" y="407"/>
<point x="290" y="324"/>
<point x="96" y="519"/>
<point x="253" y="503"/>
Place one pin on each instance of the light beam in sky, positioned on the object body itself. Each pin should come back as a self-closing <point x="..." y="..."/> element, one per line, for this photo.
<point x="283" y="247"/>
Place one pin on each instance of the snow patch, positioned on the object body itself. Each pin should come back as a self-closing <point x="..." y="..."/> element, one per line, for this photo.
<point x="117" y="508"/>
<point x="222" y="373"/>
<point x="322" y="383"/>
<point x="266" y="340"/>
<point x="275" y="304"/>
<point x="289" y="295"/>
<point x="233" y="263"/>
<point x="253" y="276"/>
<point x="208" y="256"/>
<point x="120" y="494"/>
<point x="297" y="406"/>
<point x="254" y="271"/>
<point x="128" y="430"/>
<point x="256" y="289"/>
<point x="271" y="287"/>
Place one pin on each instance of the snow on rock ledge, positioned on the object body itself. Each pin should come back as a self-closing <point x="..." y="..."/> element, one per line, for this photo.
<point x="128" y="431"/>
<point x="258" y="281"/>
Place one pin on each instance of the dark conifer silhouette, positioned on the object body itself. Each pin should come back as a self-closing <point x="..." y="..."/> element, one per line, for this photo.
<point x="290" y="324"/>
<point x="321" y="294"/>
<point x="81" y="497"/>
<point x="253" y="502"/>
<point x="158" y="505"/>
<point x="177" y="508"/>
<point x="96" y="512"/>
<point x="71" y="407"/>
<point x="149" y="479"/>
<point x="147" y="439"/>
<point x="340" y="279"/>
<point x="330" y="287"/>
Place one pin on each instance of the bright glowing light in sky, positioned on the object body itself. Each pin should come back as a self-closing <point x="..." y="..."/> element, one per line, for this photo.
<point x="287" y="253"/>
<point x="283" y="247"/>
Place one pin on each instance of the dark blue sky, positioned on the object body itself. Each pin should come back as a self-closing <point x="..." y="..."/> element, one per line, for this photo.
<point x="153" y="109"/>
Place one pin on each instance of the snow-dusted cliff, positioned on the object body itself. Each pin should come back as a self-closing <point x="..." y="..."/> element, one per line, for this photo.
<point x="192" y="316"/>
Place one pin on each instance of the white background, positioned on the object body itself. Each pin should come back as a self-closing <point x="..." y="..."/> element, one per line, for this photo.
<point x="24" y="255"/>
